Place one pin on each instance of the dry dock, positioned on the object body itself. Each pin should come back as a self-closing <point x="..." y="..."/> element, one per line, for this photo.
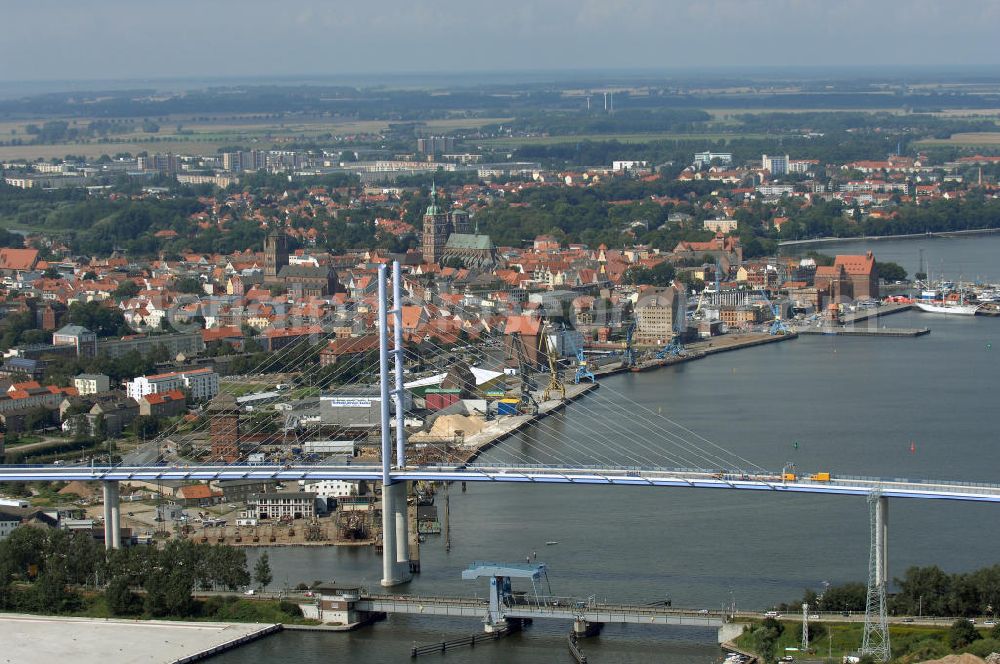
<point x="46" y="639"/>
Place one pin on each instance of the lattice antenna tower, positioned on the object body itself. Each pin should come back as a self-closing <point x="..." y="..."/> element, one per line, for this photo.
<point x="805" y="629"/>
<point x="876" y="636"/>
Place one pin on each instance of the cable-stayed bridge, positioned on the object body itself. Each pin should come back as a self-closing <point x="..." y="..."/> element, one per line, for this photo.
<point x="531" y="474"/>
<point x="637" y="447"/>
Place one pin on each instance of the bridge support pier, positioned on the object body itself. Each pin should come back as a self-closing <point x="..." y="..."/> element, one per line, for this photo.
<point x="112" y="516"/>
<point x="395" y="547"/>
<point x="491" y="626"/>
<point x="395" y="543"/>
<point x="582" y="628"/>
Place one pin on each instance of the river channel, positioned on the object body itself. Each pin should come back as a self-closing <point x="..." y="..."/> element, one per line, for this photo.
<point x="897" y="407"/>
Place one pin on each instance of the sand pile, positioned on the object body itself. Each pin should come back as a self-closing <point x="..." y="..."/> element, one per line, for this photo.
<point x="964" y="658"/>
<point x="445" y="426"/>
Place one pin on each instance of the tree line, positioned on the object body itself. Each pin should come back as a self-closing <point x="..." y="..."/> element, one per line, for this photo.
<point x="58" y="571"/>
<point x="927" y="591"/>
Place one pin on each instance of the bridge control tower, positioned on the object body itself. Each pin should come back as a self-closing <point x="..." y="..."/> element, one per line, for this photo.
<point x="502" y="596"/>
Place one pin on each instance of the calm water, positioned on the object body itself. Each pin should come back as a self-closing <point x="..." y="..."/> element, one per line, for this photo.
<point x="853" y="405"/>
<point x="968" y="257"/>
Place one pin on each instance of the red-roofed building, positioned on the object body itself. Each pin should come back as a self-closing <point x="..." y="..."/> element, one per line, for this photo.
<point x="165" y="404"/>
<point x="850" y="277"/>
<point x="13" y="261"/>
<point x="862" y="273"/>
<point x="198" y="495"/>
<point x="339" y="349"/>
<point x="529" y="329"/>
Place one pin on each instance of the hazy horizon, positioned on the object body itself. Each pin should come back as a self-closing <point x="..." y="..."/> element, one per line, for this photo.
<point x="51" y="41"/>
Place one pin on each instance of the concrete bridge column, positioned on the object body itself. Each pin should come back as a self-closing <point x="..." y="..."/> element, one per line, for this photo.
<point x="112" y="516"/>
<point x="882" y="541"/>
<point x="402" y="534"/>
<point x="582" y="628"/>
<point x="395" y="549"/>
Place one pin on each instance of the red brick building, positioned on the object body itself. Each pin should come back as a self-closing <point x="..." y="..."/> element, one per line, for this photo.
<point x="224" y="428"/>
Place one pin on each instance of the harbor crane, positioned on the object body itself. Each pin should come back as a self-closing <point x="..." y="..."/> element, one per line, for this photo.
<point x="526" y="401"/>
<point x="675" y="347"/>
<point x="778" y="326"/>
<point x="705" y="291"/>
<point x="556" y="383"/>
<point x="583" y="370"/>
<point x="629" y="359"/>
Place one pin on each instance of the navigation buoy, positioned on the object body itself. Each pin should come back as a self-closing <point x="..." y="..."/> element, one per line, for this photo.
<point x="913" y="447"/>
<point x="989" y="346"/>
<point x="796" y="444"/>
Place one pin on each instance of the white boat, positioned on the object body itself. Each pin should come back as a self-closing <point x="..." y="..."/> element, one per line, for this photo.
<point x="951" y="309"/>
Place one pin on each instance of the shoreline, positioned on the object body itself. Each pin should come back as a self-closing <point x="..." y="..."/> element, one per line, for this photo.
<point x="905" y="236"/>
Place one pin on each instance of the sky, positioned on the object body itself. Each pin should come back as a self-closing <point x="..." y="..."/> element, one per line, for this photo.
<point x="149" y="39"/>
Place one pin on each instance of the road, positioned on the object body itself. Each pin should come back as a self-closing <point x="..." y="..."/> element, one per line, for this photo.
<point x="535" y="473"/>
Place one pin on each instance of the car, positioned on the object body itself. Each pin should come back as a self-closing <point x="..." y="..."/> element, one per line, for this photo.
<point x="845" y="613"/>
<point x="131" y="513"/>
<point x="250" y="591"/>
<point x="771" y="614"/>
<point x="907" y="620"/>
<point x="310" y="593"/>
<point x="787" y="658"/>
<point x="703" y="611"/>
<point x="990" y="623"/>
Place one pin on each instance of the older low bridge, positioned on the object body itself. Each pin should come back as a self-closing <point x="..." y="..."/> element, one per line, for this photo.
<point x="505" y="604"/>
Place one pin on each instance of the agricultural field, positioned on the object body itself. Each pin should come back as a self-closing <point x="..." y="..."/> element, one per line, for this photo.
<point x="622" y="138"/>
<point x="972" y="139"/>
<point x="201" y="136"/>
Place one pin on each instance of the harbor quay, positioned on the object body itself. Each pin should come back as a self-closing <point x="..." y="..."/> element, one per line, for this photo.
<point x="95" y="641"/>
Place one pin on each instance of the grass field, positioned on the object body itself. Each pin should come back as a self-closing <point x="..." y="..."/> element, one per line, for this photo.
<point x="972" y="139"/>
<point x="206" y="137"/>
<point x="622" y="138"/>
<point x="839" y="639"/>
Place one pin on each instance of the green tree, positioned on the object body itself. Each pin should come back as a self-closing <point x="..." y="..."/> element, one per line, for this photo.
<point x="188" y="285"/>
<point x="121" y="600"/>
<point x="49" y="593"/>
<point x="962" y="633"/>
<point x="99" y="318"/>
<point x="262" y="571"/>
<point x="126" y="289"/>
<point x="889" y="271"/>
<point x="168" y="592"/>
<point x="662" y="274"/>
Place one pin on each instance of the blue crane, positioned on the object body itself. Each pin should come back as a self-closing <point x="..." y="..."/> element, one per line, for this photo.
<point x="675" y="347"/>
<point x="778" y="326"/>
<point x="583" y="368"/>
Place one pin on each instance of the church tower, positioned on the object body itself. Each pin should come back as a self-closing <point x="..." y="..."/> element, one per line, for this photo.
<point x="437" y="228"/>
<point x="275" y="255"/>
